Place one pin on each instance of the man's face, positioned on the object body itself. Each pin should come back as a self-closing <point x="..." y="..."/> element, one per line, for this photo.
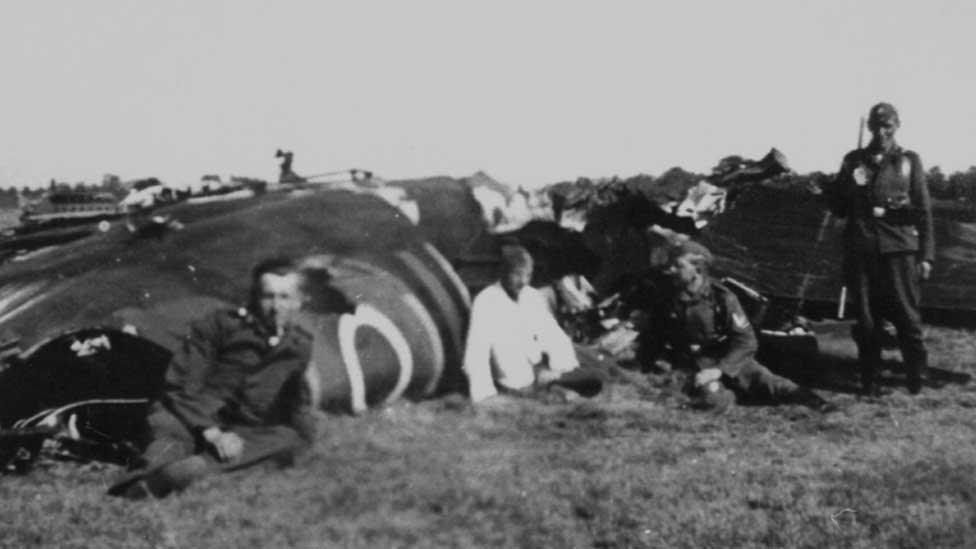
<point x="279" y="297"/>
<point x="683" y="271"/>
<point x="516" y="278"/>
<point x="884" y="132"/>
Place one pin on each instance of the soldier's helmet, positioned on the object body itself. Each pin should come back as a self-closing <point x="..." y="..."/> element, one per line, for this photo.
<point x="883" y="113"/>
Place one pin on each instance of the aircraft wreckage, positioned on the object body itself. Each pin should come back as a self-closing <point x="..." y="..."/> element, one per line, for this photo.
<point x="87" y="327"/>
<point x="90" y="325"/>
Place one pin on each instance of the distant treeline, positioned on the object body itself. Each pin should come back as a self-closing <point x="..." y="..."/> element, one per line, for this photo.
<point x="12" y="197"/>
<point x="957" y="186"/>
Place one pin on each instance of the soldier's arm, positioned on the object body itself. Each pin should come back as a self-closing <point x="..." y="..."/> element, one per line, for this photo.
<point x="477" y="350"/>
<point x="837" y="191"/>
<point x="186" y="393"/>
<point x="742" y="343"/>
<point x="923" y="205"/>
<point x="553" y="340"/>
<point x="652" y="339"/>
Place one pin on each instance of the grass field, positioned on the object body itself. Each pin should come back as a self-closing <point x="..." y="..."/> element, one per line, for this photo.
<point x="636" y="468"/>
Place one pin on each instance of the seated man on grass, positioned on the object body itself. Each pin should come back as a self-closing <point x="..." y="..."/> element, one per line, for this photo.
<point x="702" y="327"/>
<point x="515" y="346"/>
<point x="235" y="395"/>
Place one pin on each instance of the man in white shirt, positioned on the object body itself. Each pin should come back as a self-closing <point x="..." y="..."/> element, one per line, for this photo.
<point x="515" y="344"/>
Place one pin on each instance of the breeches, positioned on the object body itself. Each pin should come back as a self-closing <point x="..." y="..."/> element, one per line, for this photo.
<point x="886" y="287"/>
<point x="171" y="442"/>
<point x="755" y="382"/>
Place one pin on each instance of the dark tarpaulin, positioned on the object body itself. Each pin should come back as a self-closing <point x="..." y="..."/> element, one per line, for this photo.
<point x="768" y="239"/>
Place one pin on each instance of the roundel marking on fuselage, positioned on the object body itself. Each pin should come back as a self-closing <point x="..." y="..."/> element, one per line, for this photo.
<point x="436" y="291"/>
<point x="367" y="315"/>
<point x="396" y="298"/>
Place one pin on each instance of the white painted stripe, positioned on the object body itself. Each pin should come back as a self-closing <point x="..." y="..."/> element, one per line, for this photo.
<point x="354" y="369"/>
<point x="380" y="322"/>
<point x="367" y="315"/>
<point x="450" y="273"/>
<point x="437" y="344"/>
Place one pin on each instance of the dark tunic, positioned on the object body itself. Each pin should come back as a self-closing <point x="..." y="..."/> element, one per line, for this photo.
<point x="230" y="373"/>
<point x="711" y="330"/>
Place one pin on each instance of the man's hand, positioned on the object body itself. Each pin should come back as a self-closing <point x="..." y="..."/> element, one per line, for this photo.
<point x="227" y="444"/>
<point x="924" y="269"/>
<point x="707" y="376"/>
<point x="545" y="376"/>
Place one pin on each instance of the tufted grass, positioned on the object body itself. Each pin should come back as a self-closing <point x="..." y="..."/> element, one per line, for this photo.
<point x="634" y="469"/>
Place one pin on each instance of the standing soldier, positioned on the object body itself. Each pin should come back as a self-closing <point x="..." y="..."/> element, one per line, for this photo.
<point x="889" y="245"/>
<point x="701" y="326"/>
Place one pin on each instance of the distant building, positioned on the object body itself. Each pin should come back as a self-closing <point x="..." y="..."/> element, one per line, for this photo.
<point x="70" y="204"/>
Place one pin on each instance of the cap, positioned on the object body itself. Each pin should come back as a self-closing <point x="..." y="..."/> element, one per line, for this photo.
<point x="883" y="113"/>
<point x="690" y="247"/>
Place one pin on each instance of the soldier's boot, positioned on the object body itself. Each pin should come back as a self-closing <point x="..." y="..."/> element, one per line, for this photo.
<point x="915" y="364"/>
<point x="178" y="475"/>
<point x="869" y="361"/>
<point x="806" y="397"/>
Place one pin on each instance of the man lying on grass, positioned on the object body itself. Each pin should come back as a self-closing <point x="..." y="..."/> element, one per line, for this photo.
<point x="702" y="327"/>
<point x="515" y="346"/>
<point x="235" y="394"/>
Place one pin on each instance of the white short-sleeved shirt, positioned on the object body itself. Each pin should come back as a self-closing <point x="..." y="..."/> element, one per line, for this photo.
<point x="507" y="339"/>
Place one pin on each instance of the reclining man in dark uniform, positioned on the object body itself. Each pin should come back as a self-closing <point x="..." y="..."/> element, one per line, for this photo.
<point x="235" y="394"/>
<point x="701" y="326"/>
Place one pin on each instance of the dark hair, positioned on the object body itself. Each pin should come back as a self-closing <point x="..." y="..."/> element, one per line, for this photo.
<point x="280" y="265"/>
<point x="515" y="257"/>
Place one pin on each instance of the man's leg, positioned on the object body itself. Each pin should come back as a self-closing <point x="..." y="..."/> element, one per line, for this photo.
<point x="903" y="311"/>
<point x="169" y="441"/>
<point x="280" y="445"/>
<point x="862" y="280"/>
<point x="586" y="381"/>
<point x="758" y="383"/>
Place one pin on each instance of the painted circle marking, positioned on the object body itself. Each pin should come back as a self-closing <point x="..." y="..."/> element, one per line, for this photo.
<point x="367" y="315"/>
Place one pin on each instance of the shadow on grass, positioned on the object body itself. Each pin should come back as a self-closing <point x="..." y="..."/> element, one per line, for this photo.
<point x="833" y="366"/>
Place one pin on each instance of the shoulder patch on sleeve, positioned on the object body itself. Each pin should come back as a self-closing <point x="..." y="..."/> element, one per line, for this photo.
<point x="740" y="320"/>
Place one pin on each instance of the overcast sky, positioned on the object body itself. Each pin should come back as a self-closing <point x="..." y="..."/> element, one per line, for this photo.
<point x="530" y="92"/>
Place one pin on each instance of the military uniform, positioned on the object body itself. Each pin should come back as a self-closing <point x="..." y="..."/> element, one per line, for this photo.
<point x="230" y="373"/>
<point x="709" y="329"/>
<point x="885" y="200"/>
